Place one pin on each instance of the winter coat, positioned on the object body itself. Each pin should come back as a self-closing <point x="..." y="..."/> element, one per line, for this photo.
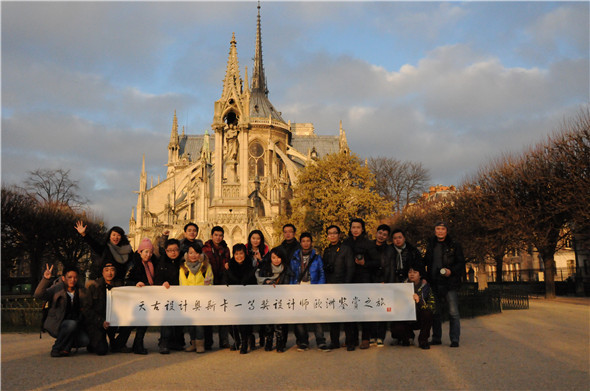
<point x="386" y="270"/>
<point x="186" y="277"/>
<point x="338" y="264"/>
<point x="424" y="291"/>
<point x="137" y="272"/>
<point x="240" y="273"/>
<point x="316" y="268"/>
<point x="95" y="310"/>
<point x="59" y="299"/>
<point x="452" y="259"/>
<point x="101" y="254"/>
<point x="218" y="256"/>
<point x="410" y="254"/>
<point x="290" y="248"/>
<point x="264" y="273"/>
<point x="263" y="253"/>
<point x="363" y="246"/>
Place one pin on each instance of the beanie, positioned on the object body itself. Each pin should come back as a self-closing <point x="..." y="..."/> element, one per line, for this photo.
<point x="145" y="243"/>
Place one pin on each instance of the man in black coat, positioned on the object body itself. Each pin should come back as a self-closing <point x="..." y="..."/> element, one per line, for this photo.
<point x="405" y="254"/>
<point x="385" y="273"/>
<point x="95" y="313"/>
<point x="338" y="269"/>
<point x="445" y="265"/>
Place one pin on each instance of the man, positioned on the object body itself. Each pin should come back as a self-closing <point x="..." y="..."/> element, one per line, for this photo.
<point x="308" y="268"/>
<point x="289" y="244"/>
<point x="405" y="254"/>
<point x="445" y="265"/>
<point x="385" y="273"/>
<point x="191" y="230"/>
<point x="366" y="259"/>
<point x="218" y="253"/>
<point x="95" y="312"/>
<point x="338" y="269"/>
<point x="65" y="319"/>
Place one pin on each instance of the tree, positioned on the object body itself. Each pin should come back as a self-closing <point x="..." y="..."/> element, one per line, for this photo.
<point x="54" y="187"/>
<point x="334" y="190"/>
<point x="397" y="181"/>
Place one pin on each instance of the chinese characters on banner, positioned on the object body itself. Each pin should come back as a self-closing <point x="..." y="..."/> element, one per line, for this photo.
<point x="255" y="304"/>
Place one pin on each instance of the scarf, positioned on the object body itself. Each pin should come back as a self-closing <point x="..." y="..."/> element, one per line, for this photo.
<point x="149" y="271"/>
<point x="120" y="253"/>
<point x="193" y="267"/>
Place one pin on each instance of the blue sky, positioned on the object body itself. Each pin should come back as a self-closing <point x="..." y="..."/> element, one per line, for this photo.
<point x="92" y="86"/>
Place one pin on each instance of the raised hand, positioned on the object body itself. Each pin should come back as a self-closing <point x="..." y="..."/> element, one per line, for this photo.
<point x="80" y="227"/>
<point x="47" y="272"/>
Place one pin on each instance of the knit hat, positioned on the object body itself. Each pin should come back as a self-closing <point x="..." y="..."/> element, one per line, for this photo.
<point x="108" y="264"/>
<point x="145" y="243"/>
<point x="441" y="223"/>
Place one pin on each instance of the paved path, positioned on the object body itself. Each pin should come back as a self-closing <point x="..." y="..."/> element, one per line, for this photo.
<point x="543" y="348"/>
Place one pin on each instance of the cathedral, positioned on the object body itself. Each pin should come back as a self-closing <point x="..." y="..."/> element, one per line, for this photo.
<point x="240" y="174"/>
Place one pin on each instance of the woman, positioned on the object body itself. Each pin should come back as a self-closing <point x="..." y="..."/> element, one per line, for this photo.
<point x="196" y="270"/>
<point x="240" y="272"/>
<point x="275" y="270"/>
<point x="115" y="249"/>
<point x="257" y="250"/>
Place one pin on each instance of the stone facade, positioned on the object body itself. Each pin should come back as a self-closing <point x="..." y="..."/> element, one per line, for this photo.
<point x="241" y="176"/>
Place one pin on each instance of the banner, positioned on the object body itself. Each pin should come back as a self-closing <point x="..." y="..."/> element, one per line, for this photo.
<point x="259" y="304"/>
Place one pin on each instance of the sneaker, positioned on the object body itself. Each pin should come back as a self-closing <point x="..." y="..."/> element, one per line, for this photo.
<point x="365" y="344"/>
<point x="454" y="344"/>
<point x="350" y="348"/>
<point x="435" y="342"/>
<point x="334" y="346"/>
<point x="324" y="348"/>
<point x="372" y="342"/>
<point x="164" y="349"/>
<point x="55" y="353"/>
<point x="380" y="343"/>
<point x="302" y="348"/>
<point x="425" y="345"/>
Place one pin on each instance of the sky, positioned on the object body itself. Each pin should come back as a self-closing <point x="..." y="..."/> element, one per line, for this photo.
<point x="91" y="87"/>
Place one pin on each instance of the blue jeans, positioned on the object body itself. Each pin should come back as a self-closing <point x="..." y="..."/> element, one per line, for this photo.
<point x="69" y="336"/>
<point x="451" y="299"/>
<point x="302" y="337"/>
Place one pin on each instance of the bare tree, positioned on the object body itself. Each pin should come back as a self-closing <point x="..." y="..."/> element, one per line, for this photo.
<point x="398" y="181"/>
<point x="54" y="187"/>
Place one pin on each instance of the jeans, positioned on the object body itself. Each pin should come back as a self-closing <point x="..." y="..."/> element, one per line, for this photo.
<point x="70" y="336"/>
<point x="451" y="299"/>
<point x="302" y="337"/>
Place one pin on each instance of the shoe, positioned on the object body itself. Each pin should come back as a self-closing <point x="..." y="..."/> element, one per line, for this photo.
<point x="138" y="347"/>
<point x="200" y="346"/>
<point x="233" y="347"/>
<point x="268" y="344"/>
<point x="334" y="346"/>
<point x="192" y="347"/>
<point x="280" y="350"/>
<point x="454" y="344"/>
<point x="302" y="348"/>
<point x="164" y="349"/>
<point x="244" y="348"/>
<point x="365" y="344"/>
<point x="393" y="343"/>
<point x="224" y="345"/>
<point x="324" y="348"/>
<point x="425" y="345"/>
<point x="372" y="342"/>
<point x="350" y="348"/>
<point x="435" y="342"/>
<point x="55" y="353"/>
<point x="379" y="343"/>
<point x="404" y="342"/>
<point x="252" y="341"/>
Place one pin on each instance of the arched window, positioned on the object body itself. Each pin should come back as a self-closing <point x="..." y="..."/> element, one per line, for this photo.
<point x="256" y="160"/>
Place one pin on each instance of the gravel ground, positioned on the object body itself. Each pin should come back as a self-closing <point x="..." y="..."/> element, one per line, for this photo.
<point x="543" y="348"/>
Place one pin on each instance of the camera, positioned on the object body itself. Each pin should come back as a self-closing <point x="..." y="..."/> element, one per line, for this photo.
<point x="359" y="256"/>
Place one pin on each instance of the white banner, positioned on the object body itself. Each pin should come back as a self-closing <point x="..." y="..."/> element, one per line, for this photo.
<point x="256" y="304"/>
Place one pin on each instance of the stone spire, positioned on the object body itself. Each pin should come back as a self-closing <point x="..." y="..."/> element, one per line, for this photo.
<point x="232" y="84"/>
<point x="143" y="176"/>
<point x="258" y="78"/>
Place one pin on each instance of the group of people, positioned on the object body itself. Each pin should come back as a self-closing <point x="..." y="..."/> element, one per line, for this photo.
<point x="76" y="317"/>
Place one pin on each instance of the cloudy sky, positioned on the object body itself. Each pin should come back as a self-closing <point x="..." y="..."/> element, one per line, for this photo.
<point x="90" y="87"/>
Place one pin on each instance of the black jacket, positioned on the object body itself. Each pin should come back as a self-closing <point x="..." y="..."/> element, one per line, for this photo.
<point x="265" y="270"/>
<point x="452" y="259"/>
<point x="137" y="272"/>
<point x="362" y="246"/>
<point x="339" y="264"/>
<point x="386" y="270"/>
<point x="410" y="254"/>
<point x="240" y="273"/>
<point x="290" y="248"/>
<point x="101" y="254"/>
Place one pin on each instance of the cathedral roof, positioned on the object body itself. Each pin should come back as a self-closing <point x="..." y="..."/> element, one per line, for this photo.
<point x="192" y="145"/>
<point x="323" y="144"/>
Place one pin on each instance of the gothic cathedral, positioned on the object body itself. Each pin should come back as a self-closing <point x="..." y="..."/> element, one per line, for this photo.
<point x="242" y="179"/>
